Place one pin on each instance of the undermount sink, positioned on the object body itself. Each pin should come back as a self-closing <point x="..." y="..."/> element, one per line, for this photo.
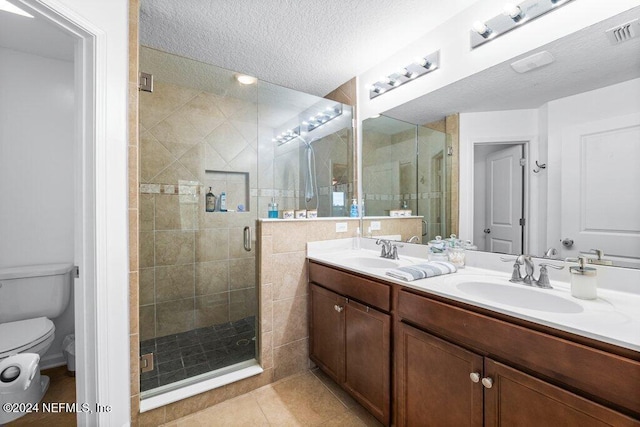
<point x="367" y="262"/>
<point x="520" y="296"/>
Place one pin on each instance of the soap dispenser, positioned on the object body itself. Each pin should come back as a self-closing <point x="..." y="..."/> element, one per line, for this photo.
<point x="584" y="281"/>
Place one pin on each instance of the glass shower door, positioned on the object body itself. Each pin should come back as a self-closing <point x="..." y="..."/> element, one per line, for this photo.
<point x="198" y="293"/>
<point x="432" y="182"/>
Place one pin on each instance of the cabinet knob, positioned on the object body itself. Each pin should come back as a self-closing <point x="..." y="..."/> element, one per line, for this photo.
<point x="475" y="377"/>
<point x="487" y="382"/>
<point x="338" y="308"/>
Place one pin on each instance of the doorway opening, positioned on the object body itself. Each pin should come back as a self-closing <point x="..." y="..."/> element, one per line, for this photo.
<point x="499" y="197"/>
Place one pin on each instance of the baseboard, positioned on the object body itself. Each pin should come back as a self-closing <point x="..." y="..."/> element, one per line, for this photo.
<point x="52" y="361"/>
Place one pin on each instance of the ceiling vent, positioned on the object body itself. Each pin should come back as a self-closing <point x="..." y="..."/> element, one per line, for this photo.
<point x="623" y="32"/>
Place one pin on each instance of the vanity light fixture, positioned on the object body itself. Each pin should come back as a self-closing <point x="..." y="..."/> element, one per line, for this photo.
<point x="512" y="17"/>
<point x="287" y="135"/>
<point x="311" y="123"/>
<point x="420" y="67"/>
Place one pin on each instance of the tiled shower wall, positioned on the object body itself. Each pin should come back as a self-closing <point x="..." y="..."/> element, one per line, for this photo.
<point x="194" y="270"/>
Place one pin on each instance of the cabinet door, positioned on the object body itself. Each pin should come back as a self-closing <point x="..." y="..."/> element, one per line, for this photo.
<point x="368" y="358"/>
<point x="434" y="385"/>
<point x="326" y="332"/>
<point x="516" y="398"/>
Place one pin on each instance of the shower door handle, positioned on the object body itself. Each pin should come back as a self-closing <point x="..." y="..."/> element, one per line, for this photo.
<point x="424" y="228"/>
<point x="247" y="239"/>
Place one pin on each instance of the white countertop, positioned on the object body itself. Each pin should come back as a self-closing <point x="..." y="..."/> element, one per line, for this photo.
<point x="614" y="317"/>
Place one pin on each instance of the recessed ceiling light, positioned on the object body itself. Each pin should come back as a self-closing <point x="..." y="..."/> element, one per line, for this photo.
<point x="245" y="79"/>
<point x="8" y="7"/>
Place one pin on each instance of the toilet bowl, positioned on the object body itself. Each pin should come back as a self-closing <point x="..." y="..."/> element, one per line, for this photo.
<point x="29" y="297"/>
<point x="21" y="386"/>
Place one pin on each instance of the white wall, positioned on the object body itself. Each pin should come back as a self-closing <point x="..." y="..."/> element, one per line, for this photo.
<point x="36" y="169"/>
<point x="36" y="159"/>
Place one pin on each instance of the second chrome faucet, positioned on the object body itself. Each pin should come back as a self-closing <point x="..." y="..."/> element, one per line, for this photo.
<point x="529" y="267"/>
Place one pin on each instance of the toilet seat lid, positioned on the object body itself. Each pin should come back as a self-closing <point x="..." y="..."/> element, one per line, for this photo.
<point x="24" y="333"/>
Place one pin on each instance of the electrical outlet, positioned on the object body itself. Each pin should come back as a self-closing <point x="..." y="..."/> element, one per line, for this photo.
<point x="375" y="225"/>
<point x="341" y="227"/>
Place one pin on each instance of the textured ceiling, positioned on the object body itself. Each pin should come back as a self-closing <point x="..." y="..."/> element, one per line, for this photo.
<point x="584" y="61"/>
<point x="310" y="46"/>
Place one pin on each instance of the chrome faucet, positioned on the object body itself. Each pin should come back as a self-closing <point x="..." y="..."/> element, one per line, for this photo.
<point x="386" y="247"/>
<point x="389" y="250"/>
<point x="413" y="239"/>
<point x="529" y="267"/>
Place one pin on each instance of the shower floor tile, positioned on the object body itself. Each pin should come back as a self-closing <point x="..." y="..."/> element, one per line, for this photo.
<point x="191" y="353"/>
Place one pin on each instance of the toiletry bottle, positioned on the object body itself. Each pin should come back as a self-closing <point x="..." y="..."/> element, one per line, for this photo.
<point x="210" y="201"/>
<point x="356" y="240"/>
<point x="223" y="202"/>
<point x="353" y="213"/>
<point x="584" y="280"/>
<point x="273" y="208"/>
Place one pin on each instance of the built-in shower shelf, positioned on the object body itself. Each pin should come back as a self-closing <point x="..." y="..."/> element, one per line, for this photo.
<point x="234" y="184"/>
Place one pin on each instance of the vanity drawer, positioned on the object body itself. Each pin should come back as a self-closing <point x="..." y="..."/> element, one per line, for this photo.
<point x="591" y="371"/>
<point x="366" y="291"/>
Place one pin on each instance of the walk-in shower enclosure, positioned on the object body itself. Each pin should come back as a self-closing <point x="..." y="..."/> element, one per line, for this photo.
<point x="202" y="132"/>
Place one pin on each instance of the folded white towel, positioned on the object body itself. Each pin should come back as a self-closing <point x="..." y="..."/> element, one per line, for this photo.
<point x="422" y="271"/>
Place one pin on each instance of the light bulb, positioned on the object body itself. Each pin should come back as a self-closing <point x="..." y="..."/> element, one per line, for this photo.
<point x="481" y="28"/>
<point x="420" y="61"/>
<point x="512" y="11"/>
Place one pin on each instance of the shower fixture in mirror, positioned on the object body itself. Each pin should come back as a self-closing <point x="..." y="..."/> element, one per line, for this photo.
<point x="308" y="145"/>
<point x="404" y="172"/>
<point x="579" y="115"/>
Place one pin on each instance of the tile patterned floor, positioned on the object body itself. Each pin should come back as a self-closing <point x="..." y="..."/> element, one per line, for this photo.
<point x="195" y="352"/>
<point x="308" y="399"/>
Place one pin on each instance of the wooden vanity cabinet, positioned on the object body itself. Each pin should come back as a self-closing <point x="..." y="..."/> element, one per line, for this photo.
<point x="454" y="378"/>
<point x="351" y="340"/>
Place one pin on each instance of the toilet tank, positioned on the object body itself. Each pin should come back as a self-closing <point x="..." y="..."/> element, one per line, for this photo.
<point x="34" y="291"/>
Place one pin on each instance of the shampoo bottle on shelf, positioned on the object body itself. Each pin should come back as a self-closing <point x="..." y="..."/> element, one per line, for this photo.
<point x="210" y="201"/>
<point x="223" y="202"/>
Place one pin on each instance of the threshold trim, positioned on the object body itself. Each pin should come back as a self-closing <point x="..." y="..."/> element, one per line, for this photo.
<point x="157" y="398"/>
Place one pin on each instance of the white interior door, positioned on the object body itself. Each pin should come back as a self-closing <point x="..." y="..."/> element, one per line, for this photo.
<point x="504" y="201"/>
<point x="595" y="213"/>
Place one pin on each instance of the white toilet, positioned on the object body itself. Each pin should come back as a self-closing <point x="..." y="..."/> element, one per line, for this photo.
<point x="29" y="297"/>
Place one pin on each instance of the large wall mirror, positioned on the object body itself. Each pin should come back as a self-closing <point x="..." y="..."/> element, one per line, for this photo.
<point x="549" y="153"/>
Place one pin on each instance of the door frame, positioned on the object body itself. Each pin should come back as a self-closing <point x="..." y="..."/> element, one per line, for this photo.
<point x="502" y="145"/>
<point x="466" y="181"/>
<point x="100" y="218"/>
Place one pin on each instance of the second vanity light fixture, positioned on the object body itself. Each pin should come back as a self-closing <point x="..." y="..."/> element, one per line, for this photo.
<point x="513" y="15"/>
<point x="313" y="122"/>
<point x="418" y="68"/>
